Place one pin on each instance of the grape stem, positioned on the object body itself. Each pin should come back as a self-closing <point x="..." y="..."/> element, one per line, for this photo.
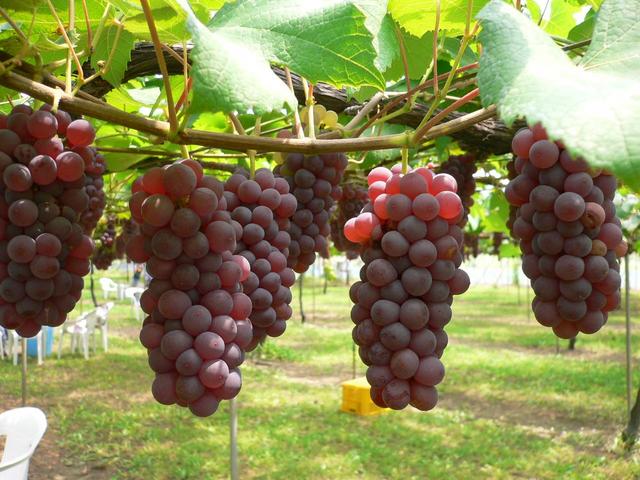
<point x="382" y="115"/>
<point x="435" y="50"/>
<point x="173" y="119"/>
<point x="438" y="95"/>
<point x="85" y="11"/>
<point x="14" y="25"/>
<point x="67" y="40"/>
<point x="103" y="111"/>
<point x="444" y="112"/>
<point x="405" y="160"/>
<point x="403" y="56"/>
<point x="251" y="152"/>
<point x="107" y="65"/>
<point x="297" y="125"/>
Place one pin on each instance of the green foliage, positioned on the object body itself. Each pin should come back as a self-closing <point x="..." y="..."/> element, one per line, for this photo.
<point x="417" y="16"/>
<point x="324" y="42"/>
<point x="116" y="44"/>
<point x="527" y="75"/>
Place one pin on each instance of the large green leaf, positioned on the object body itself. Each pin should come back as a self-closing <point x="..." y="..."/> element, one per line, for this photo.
<point x="419" y="16"/>
<point x="323" y="42"/>
<point x="230" y="76"/>
<point x="616" y="40"/>
<point x="381" y="26"/>
<point x="594" y="107"/>
<point x="121" y="44"/>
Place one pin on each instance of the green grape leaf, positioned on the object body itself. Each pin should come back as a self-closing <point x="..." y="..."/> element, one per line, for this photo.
<point x="326" y="42"/>
<point x="322" y="41"/>
<point x="497" y="212"/>
<point x="419" y="55"/>
<point x="561" y="20"/>
<point x="381" y="27"/>
<point x="121" y="44"/>
<point x="584" y="30"/>
<point x="509" y="250"/>
<point x="418" y="17"/>
<point x="593" y="107"/>
<point x="229" y="76"/>
<point x="615" y="41"/>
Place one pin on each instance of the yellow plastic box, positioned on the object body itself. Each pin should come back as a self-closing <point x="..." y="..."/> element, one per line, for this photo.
<point x="356" y="398"/>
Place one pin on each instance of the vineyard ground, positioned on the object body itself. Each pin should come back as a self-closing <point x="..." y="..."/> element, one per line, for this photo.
<point x="510" y="406"/>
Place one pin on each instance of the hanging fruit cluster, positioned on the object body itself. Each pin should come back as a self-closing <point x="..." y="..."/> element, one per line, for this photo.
<point x="197" y="327"/>
<point x="569" y="234"/>
<point x="412" y="254"/>
<point x="44" y="253"/>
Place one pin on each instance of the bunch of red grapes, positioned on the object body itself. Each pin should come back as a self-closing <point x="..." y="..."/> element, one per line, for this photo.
<point x="197" y="326"/>
<point x="128" y="228"/>
<point x="462" y="168"/>
<point x="314" y="180"/>
<point x="353" y="199"/>
<point x="412" y="254"/>
<point x="569" y="234"/>
<point x="43" y="251"/>
<point x="94" y="185"/>
<point x="513" y="210"/>
<point x="262" y="207"/>
<point x="103" y="254"/>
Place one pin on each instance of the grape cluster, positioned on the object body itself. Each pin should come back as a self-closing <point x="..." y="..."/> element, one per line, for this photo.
<point x="94" y="185"/>
<point x="197" y="325"/>
<point x="128" y="228"/>
<point x="513" y="210"/>
<point x="104" y="254"/>
<point x="471" y="245"/>
<point x="353" y="199"/>
<point x="462" y="168"/>
<point x="262" y="208"/>
<point x="43" y="251"/>
<point x="314" y="181"/>
<point x="412" y="253"/>
<point x="569" y="234"/>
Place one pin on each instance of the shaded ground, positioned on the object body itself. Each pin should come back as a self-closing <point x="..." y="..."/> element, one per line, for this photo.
<point x="510" y="407"/>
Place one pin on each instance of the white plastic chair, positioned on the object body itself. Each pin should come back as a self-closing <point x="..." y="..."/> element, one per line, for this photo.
<point x="24" y="428"/>
<point x="14" y="347"/>
<point x="108" y="286"/>
<point x="80" y="330"/>
<point x="134" y="294"/>
<point x="102" y="313"/>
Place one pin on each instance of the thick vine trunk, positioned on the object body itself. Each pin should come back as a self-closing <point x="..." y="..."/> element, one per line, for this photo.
<point x="572" y="343"/>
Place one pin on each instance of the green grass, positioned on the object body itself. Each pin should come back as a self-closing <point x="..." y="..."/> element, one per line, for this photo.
<point x="509" y="407"/>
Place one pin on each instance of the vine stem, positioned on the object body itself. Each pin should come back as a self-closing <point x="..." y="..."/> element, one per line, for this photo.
<point x="103" y="111"/>
<point x="173" y="119"/>
<point x="252" y="153"/>
<point x="67" y="40"/>
<point x="403" y="56"/>
<point x="14" y="25"/>
<point x="297" y="125"/>
<point x="85" y="11"/>
<point x="399" y="99"/>
<point x="107" y="65"/>
<point x="438" y="95"/>
<point x="405" y="160"/>
<point x="435" y="49"/>
<point x="444" y="112"/>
